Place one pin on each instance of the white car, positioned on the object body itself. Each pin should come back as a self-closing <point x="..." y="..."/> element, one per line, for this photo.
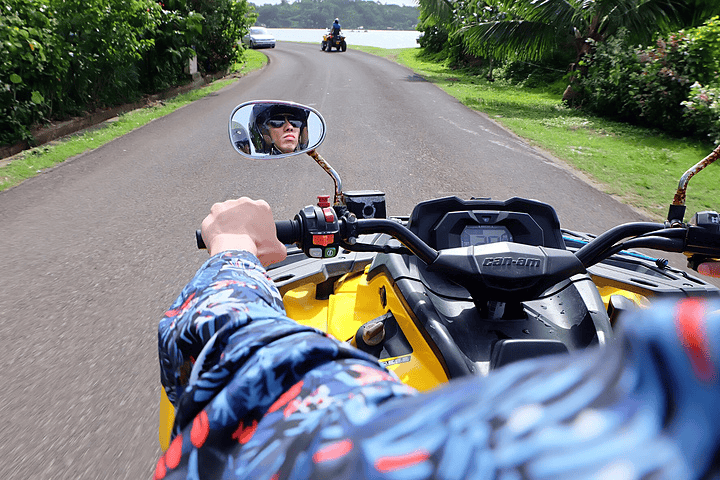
<point x="259" y="37"/>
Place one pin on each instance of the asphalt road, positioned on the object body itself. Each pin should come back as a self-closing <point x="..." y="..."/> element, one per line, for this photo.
<point x="93" y="251"/>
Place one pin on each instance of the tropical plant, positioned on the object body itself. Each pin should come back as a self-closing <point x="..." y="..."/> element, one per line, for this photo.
<point x="32" y="65"/>
<point x="60" y="58"/>
<point x="225" y="23"/>
<point x="164" y="65"/>
<point x="704" y="51"/>
<point x="104" y="41"/>
<point x="441" y="21"/>
<point x="702" y="110"/>
<point x="434" y="36"/>
<point x="672" y="84"/>
<point x="693" y="13"/>
<point x="535" y="29"/>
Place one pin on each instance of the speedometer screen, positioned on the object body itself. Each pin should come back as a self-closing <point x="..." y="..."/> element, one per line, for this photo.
<point x="480" y="235"/>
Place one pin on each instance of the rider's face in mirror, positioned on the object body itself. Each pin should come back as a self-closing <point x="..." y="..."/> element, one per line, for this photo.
<point x="267" y="129"/>
<point x="284" y="132"/>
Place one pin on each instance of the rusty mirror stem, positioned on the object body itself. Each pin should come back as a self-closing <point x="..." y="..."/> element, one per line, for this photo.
<point x="676" y="213"/>
<point x="338" y="197"/>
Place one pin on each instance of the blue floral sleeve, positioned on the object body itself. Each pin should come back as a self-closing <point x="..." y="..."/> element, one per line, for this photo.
<point x="259" y="396"/>
<point x="228" y="353"/>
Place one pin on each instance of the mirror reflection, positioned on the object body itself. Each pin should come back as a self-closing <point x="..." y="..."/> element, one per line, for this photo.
<point x="273" y="129"/>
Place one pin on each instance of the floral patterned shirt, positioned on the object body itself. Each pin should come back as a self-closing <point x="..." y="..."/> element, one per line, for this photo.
<point x="259" y="396"/>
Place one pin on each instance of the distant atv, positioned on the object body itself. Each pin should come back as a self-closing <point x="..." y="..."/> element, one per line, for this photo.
<point x="329" y="41"/>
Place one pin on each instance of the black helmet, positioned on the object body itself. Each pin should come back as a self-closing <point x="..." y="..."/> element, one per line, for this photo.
<point x="239" y="137"/>
<point x="259" y="133"/>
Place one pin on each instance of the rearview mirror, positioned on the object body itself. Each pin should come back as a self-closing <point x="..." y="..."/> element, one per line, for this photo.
<point x="269" y="129"/>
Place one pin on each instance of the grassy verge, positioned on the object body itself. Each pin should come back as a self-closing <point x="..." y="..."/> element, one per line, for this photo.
<point x="32" y="162"/>
<point x="640" y="166"/>
<point x="389" y="53"/>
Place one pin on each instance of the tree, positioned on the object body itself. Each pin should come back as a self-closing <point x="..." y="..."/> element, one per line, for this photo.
<point x="535" y="29"/>
<point x="352" y="14"/>
<point x="225" y="23"/>
<point x="442" y="23"/>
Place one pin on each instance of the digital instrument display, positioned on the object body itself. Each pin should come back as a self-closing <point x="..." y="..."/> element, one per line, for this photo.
<point x="481" y="235"/>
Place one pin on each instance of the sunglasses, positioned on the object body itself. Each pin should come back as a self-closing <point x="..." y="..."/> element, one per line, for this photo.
<point x="278" y="122"/>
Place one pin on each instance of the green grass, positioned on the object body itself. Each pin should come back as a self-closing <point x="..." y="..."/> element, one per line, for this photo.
<point x="640" y="166"/>
<point x="32" y="162"/>
<point x="389" y="53"/>
<point x="252" y="60"/>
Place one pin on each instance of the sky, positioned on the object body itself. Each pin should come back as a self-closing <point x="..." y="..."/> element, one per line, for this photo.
<point x="412" y="3"/>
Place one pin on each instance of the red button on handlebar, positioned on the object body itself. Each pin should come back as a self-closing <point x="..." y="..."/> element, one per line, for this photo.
<point x="323" y="240"/>
<point x="323" y="201"/>
<point x="329" y="214"/>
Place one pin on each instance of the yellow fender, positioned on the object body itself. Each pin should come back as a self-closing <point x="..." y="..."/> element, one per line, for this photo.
<point x="167" y="419"/>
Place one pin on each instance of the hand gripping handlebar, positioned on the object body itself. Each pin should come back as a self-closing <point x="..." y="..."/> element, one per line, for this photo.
<point x="288" y="231"/>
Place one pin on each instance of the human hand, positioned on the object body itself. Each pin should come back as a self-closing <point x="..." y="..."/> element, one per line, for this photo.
<point x="711" y="269"/>
<point x="243" y="224"/>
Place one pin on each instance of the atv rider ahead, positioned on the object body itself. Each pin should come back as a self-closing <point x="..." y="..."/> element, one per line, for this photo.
<point x="335" y="29"/>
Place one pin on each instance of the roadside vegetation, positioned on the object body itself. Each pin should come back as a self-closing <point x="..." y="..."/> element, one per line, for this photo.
<point x="34" y="161"/>
<point x="644" y="62"/>
<point x="62" y="58"/>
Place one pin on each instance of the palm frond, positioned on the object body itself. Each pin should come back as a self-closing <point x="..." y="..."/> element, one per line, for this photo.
<point x="545" y="11"/>
<point x="518" y="39"/>
<point x="440" y="9"/>
<point x="693" y="13"/>
<point x="642" y="18"/>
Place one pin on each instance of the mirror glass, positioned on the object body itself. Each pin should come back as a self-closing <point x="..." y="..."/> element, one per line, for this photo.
<point x="269" y="129"/>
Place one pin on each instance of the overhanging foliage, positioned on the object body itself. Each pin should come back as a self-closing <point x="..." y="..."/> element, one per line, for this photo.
<point x="62" y="57"/>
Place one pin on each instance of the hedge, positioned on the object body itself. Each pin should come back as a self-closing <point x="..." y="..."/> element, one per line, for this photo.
<point x="60" y="58"/>
<point x="673" y="85"/>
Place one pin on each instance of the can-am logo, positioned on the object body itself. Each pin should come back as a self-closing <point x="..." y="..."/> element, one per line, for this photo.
<point x="511" y="262"/>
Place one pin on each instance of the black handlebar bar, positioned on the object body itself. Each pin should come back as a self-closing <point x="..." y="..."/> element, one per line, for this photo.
<point x="414" y="243"/>
<point x="605" y="241"/>
<point x="656" y="236"/>
<point x="288" y="231"/>
<point x="200" y="242"/>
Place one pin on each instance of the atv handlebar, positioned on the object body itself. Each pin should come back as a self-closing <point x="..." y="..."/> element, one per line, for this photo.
<point x="292" y="231"/>
<point x="312" y="228"/>
<point x="288" y="231"/>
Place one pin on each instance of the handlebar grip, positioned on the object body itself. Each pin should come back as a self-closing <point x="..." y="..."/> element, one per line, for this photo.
<point x="288" y="231"/>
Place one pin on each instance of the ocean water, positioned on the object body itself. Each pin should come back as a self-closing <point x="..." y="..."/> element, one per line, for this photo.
<point x="368" y="38"/>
